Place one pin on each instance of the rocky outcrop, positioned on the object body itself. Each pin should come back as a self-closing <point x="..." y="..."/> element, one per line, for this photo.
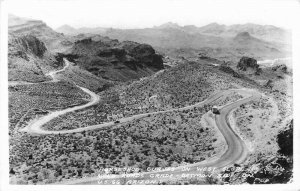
<point x="285" y="140"/>
<point x="21" y="26"/>
<point x="115" y="60"/>
<point x="29" y="59"/>
<point x="229" y="70"/>
<point x="118" y="52"/>
<point x="84" y="41"/>
<point x="143" y="53"/>
<point x="246" y="63"/>
<point x="281" y="67"/>
<point x="27" y="44"/>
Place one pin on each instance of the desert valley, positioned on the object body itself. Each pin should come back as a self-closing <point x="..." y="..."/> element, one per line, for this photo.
<point x="168" y="104"/>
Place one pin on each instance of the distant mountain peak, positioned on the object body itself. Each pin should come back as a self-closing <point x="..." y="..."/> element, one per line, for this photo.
<point x="244" y="36"/>
<point x="213" y="28"/>
<point x="66" y="26"/>
<point x="169" y="25"/>
<point x="66" y="29"/>
<point x="214" y="24"/>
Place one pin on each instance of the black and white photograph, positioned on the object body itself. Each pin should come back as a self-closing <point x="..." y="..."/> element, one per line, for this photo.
<point x="130" y="92"/>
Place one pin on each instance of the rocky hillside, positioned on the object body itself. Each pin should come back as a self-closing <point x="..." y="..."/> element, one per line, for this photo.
<point x="53" y="40"/>
<point x="34" y="49"/>
<point x="277" y="77"/>
<point x="114" y="60"/>
<point x="28" y="59"/>
<point x="29" y="44"/>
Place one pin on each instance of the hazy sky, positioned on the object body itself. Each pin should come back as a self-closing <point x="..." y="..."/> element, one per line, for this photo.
<point x="142" y="13"/>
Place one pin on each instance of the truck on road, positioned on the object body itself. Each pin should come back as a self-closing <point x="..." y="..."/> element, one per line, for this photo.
<point x="215" y="110"/>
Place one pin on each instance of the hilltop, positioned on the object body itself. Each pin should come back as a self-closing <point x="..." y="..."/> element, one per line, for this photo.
<point x="114" y="60"/>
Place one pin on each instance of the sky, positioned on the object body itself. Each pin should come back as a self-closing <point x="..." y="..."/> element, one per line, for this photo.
<point x="142" y="13"/>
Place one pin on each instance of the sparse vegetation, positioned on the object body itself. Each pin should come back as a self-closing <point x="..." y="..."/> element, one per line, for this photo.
<point x="177" y="87"/>
<point x="167" y="139"/>
<point x="157" y="141"/>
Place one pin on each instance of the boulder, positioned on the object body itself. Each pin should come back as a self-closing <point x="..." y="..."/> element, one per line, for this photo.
<point x="246" y="62"/>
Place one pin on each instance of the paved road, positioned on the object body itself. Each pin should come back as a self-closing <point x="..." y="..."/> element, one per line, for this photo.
<point x="51" y="74"/>
<point x="236" y="153"/>
<point x="36" y="126"/>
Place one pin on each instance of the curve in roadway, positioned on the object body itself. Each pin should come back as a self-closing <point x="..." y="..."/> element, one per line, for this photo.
<point x="236" y="153"/>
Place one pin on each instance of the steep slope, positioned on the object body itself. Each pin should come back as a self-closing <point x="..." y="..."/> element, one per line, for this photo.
<point x="21" y="26"/>
<point x="28" y="59"/>
<point x="35" y="48"/>
<point x="34" y="52"/>
<point x="114" y="60"/>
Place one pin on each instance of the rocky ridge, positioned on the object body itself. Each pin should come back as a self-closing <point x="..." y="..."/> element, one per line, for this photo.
<point x="114" y="60"/>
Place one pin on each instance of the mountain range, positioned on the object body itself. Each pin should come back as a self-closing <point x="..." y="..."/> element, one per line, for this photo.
<point x="215" y="40"/>
<point x="264" y="32"/>
<point x="124" y="54"/>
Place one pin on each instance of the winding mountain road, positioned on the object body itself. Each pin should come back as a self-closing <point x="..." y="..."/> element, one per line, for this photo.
<point x="237" y="151"/>
<point x="51" y="74"/>
<point x="36" y="125"/>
